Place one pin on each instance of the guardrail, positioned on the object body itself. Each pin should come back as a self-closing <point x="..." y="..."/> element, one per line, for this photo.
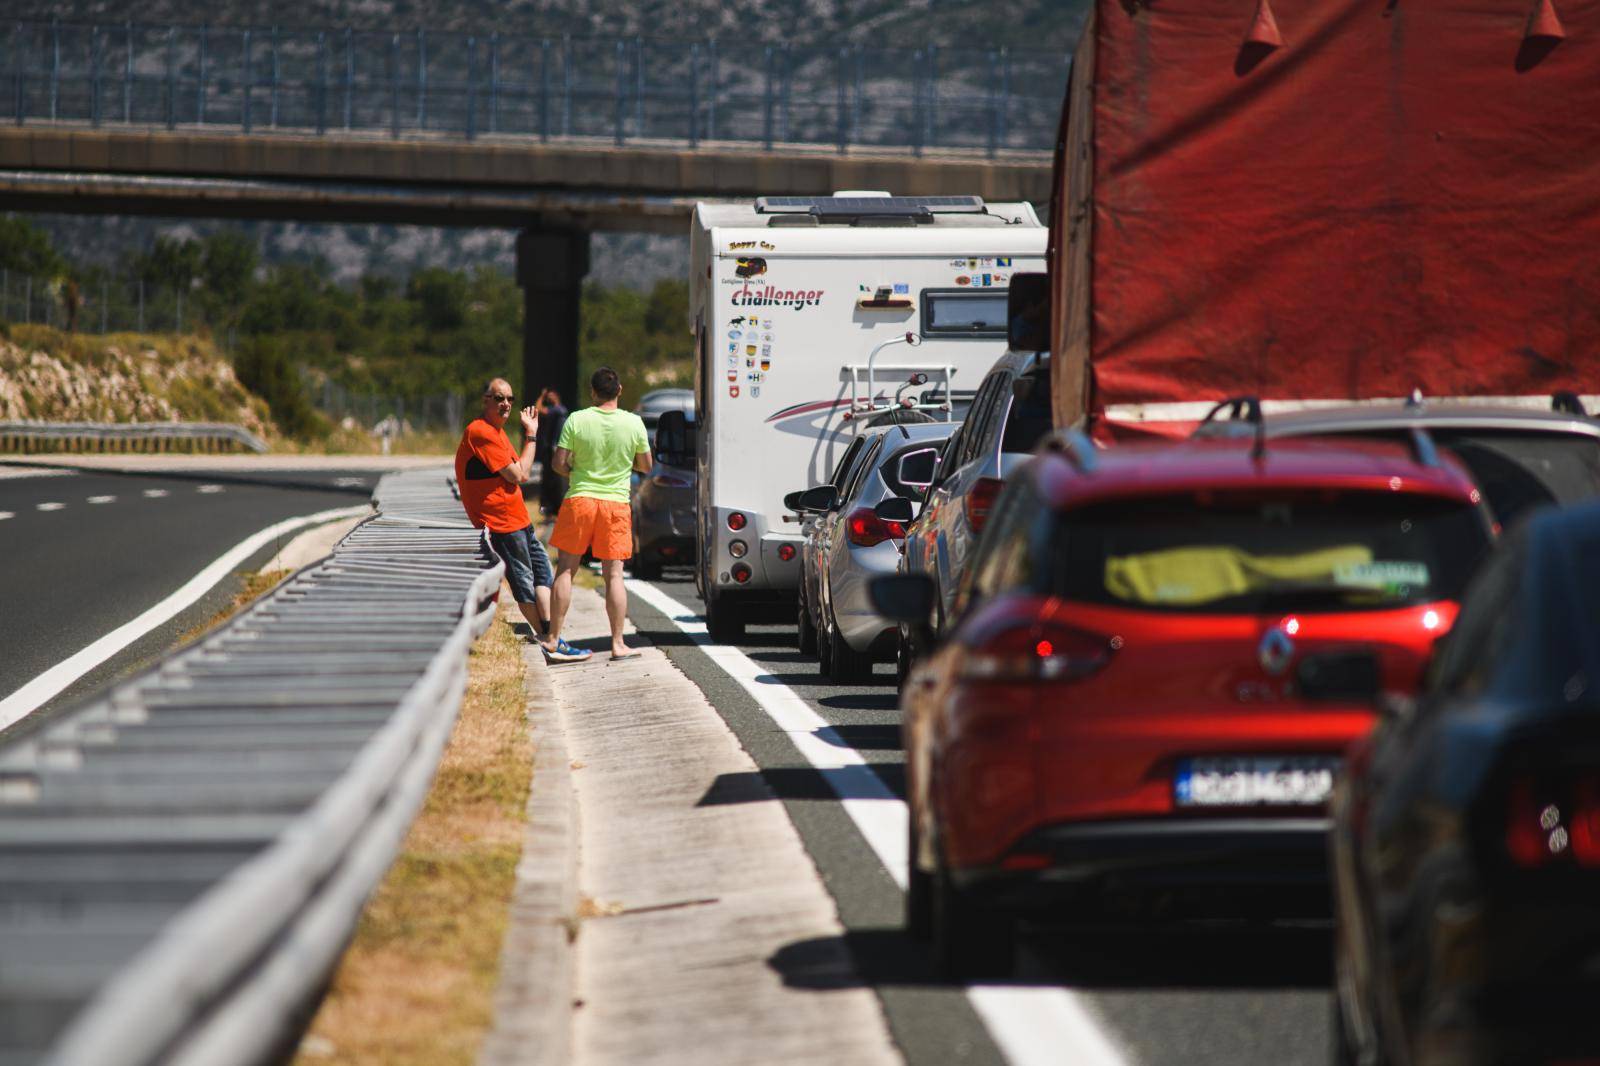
<point x="182" y="862"/>
<point x="426" y="82"/>
<point x="31" y="436"/>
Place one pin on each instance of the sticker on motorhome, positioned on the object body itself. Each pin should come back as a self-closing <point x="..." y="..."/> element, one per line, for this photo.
<point x="963" y="280"/>
<point x="733" y="391"/>
<point x="798" y="299"/>
<point x="750" y="268"/>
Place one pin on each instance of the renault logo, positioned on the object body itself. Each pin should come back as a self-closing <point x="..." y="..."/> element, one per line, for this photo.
<point x="1275" y="651"/>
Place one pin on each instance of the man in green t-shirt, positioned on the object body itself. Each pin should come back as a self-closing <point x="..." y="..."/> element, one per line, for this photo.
<point x="599" y="449"/>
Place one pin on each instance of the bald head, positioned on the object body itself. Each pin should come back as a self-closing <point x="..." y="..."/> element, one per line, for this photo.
<point x="498" y="402"/>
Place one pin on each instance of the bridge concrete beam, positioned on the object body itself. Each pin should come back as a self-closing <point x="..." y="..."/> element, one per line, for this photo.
<point x="638" y="168"/>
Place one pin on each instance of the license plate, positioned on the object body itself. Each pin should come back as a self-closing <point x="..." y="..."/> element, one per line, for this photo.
<point x="1255" y="781"/>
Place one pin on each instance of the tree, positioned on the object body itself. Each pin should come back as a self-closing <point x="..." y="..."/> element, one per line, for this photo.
<point x="26" y="249"/>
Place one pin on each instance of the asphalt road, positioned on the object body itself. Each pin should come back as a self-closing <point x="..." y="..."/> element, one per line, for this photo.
<point x="85" y="552"/>
<point x="1228" y="994"/>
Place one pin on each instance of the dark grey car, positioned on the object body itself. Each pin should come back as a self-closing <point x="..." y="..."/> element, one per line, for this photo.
<point x="663" y="500"/>
<point x="1520" y="457"/>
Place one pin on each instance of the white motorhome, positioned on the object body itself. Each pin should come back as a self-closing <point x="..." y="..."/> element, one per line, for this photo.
<point x="811" y="315"/>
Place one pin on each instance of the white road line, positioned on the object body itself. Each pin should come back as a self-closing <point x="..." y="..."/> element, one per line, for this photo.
<point x="7" y="514"/>
<point x="102" y="499"/>
<point x="1031" y="1025"/>
<point x="209" y="489"/>
<point x="49" y="506"/>
<point x="35" y="693"/>
<point x="155" y="494"/>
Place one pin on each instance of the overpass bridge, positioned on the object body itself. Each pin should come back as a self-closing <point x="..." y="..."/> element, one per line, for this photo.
<point x="556" y="137"/>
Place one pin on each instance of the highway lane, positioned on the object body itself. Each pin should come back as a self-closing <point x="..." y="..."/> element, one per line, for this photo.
<point x="85" y="552"/>
<point x="1232" y="994"/>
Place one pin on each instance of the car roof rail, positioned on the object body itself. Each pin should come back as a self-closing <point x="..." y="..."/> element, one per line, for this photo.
<point x="1423" y="449"/>
<point x="1076" y="446"/>
<point x="1567" y="402"/>
<point x="1247" y="408"/>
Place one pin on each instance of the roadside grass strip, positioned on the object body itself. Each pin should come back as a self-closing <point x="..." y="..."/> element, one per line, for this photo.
<point x="1032" y="1025"/>
<point x="46" y="686"/>
<point x="416" y="986"/>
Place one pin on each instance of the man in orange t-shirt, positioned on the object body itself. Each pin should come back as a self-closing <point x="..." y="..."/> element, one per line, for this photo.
<point x="490" y="474"/>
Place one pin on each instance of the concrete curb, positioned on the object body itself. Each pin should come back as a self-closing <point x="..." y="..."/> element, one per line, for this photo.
<point x="533" y="999"/>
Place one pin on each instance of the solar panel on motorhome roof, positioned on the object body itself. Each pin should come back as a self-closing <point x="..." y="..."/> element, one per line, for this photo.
<point x="835" y="206"/>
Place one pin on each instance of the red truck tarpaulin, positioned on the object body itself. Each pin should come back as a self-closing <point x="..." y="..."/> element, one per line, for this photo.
<point x="1329" y="199"/>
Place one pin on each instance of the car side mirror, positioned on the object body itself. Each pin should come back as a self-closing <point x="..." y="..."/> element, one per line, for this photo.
<point x="904" y="598"/>
<point x="791" y="502"/>
<point x="1028" y="313"/>
<point x="916" y="469"/>
<point x="820" y="499"/>
<point x="672" y="438"/>
<point x="1350" y="676"/>
<point x="895" y="509"/>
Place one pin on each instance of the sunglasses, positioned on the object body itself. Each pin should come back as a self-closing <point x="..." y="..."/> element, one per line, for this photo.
<point x="497" y="397"/>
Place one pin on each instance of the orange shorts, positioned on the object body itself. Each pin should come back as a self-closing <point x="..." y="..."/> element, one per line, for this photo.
<point x="601" y="527"/>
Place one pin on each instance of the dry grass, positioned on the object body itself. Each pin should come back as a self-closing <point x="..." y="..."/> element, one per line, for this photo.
<point x="257" y="583"/>
<point x="416" y="987"/>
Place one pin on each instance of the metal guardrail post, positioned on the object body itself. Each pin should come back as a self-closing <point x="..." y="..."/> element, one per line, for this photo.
<point x="766" y="108"/>
<point x="544" y="89"/>
<point x="141" y="305"/>
<point x="994" y="103"/>
<point x="844" y="96"/>
<point x="716" y="84"/>
<point x="494" y="82"/>
<point x="855" y="111"/>
<point x="96" y="55"/>
<point x="274" y="91"/>
<point x="916" y="103"/>
<point x="422" y="79"/>
<point x="786" y="86"/>
<point x="1005" y="91"/>
<point x="172" y="77"/>
<point x="322" y="83"/>
<point x="933" y="96"/>
<point x="638" y="86"/>
<point x="55" y="68"/>
<point x="27" y="299"/>
<point x="394" y="86"/>
<point x="349" y="75"/>
<point x="472" y="88"/>
<point x="105" y="308"/>
<point x="566" y="85"/>
<point x="200" y="79"/>
<point x="18" y="107"/>
<point x="694" y="96"/>
<point x="248" y="82"/>
<point x="616" y="122"/>
<point x="127" y="77"/>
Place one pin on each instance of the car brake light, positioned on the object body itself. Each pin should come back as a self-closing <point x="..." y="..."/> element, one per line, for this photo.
<point x="1553" y="820"/>
<point x="1044" y="651"/>
<point x="979" y="501"/>
<point x="865" y="529"/>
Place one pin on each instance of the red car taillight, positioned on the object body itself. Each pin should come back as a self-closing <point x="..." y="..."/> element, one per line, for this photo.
<point x="979" y="501"/>
<point x="864" y="528"/>
<point x="1554" y="820"/>
<point x="1044" y="651"/>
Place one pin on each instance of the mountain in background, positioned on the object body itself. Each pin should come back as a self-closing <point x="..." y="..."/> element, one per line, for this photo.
<point x="1034" y="24"/>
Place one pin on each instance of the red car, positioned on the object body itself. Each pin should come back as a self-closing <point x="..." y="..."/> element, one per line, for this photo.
<point x="1160" y="654"/>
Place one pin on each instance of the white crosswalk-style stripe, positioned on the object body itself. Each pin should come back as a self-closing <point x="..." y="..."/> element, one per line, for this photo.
<point x="155" y="494"/>
<point x="7" y="514"/>
<point x="208" y="489"/>
<point x="50" y="505"/>
<point x="102" y="499"/>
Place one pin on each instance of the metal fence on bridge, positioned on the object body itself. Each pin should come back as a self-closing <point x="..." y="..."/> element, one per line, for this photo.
<point x="347" y="82"/>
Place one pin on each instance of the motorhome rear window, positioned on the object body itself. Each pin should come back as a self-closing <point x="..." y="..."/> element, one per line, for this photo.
<point x="964" y="312"/>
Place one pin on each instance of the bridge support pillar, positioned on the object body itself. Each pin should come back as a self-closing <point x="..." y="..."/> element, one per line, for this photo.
<point x="551" y="265"/>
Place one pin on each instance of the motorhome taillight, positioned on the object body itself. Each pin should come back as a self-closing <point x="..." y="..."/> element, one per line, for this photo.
<point x="1038" y="651"/>
<point x="786" y="552"/>
<point x="865" y="529"/>
<point x="736" y="521"/>
<point x="741" y="573"/>
<point x="737" y="548"/>
<point x="980" y="501"/>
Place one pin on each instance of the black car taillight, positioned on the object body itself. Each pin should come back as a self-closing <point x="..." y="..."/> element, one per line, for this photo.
<point x="980" y="499"/>
<point x="1554" y="819"/>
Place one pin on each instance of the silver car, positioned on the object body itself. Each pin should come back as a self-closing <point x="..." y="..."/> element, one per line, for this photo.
<point x="852" y="545"/>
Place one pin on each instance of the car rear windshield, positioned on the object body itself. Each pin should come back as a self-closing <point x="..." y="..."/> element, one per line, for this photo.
<point x="1254" y="552"/>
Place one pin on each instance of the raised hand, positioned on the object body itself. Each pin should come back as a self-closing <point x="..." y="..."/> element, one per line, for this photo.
<point x="530" y="420"/>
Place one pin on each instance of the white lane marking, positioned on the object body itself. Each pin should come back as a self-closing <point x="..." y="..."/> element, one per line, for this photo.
<point x="102" y="499"/>
<point x="27" y="699"/>
<point x="1031" y="1025"/>
<point x="7" y="514"/>
<point x="350" y="482"/>
<point x="49" y="506"/>
<point x="209" y="489"/>
<point x="155" y="494"/>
